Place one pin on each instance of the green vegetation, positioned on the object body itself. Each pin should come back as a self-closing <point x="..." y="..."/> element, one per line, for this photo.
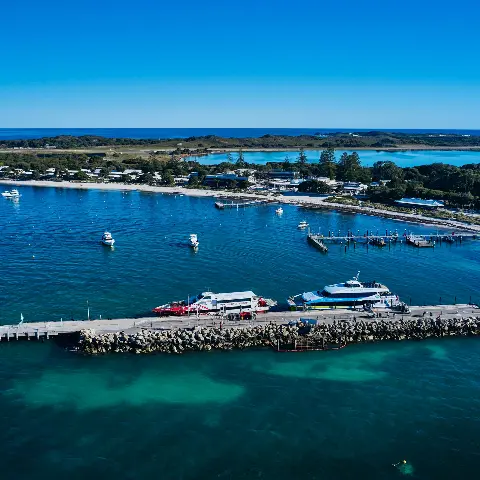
<point x="373" y="139"/>
<point x="440" y="214"/>
<point x="458" y="186"/>
<point x="314" y="186"/>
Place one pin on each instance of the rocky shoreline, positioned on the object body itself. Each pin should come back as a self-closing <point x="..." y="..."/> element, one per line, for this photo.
<point x="321" y="336"/>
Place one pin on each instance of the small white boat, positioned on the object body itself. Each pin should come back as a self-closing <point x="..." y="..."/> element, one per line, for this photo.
<point x="107" y="239"/>
<point x="302" y="224"/>
<point x="194" y="240"/>
<point x="279" y="211"/>
<point x="11" y="194"/>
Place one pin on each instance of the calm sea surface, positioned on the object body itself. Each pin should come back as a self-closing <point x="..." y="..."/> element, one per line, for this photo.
<point x="349" y="414"/>
<point x="53" y="262"/>
<point x="149" y="133"/>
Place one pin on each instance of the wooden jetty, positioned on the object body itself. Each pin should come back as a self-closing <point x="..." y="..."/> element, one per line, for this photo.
<point x="419" y="241"/>
<point x="376" y="239"/>
<point x="244" y="204"/>
<point x="317" y="242"/>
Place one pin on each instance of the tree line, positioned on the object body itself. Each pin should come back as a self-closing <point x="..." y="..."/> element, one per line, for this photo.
<point x="373" y="139"/>
<point x="459" y="186"/>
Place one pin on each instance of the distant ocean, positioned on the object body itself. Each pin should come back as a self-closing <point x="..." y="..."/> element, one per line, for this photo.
<point x="161" y="133"/>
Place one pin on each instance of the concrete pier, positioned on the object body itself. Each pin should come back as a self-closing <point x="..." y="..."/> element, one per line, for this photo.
<point x="45" y="330"/>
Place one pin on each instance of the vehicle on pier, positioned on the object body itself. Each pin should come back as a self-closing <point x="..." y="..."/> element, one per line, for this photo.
<point x="209" y="303"/>
<point x="349" y="294"/>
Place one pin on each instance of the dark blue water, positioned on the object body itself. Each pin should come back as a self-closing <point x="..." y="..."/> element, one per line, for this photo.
<point x="53" y="262"/>
<point x="161" y="133"/>
<point x="348" y="414"/>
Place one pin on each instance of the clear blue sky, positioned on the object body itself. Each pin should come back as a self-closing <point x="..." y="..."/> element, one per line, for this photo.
<point x="251" y="63"/>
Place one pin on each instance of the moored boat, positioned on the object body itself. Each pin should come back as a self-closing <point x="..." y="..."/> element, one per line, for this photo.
<point x="349" y="294"/>
<point x="14" y="193"/>
<point x="107" y="239"/>
<point x="279" y="211"/>
<point x="378" y="242"/>
<point x="194" y="240"/>
<point x="419" y="241"/>
<point x="217" y="303"/>
<point x="302" y="224"/>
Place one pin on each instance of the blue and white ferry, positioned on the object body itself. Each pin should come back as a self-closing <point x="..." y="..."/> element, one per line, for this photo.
<point x="349" y="294"/>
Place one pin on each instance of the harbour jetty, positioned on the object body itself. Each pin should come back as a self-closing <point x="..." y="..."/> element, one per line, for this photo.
<point x="301" y="335"/>
<point x="242" y="204"/>
<point x="317" y="242"/>
<point x="377" y="239"/>
<point x="282" y="331"/>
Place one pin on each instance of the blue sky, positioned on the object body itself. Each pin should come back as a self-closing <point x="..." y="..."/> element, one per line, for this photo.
<point x="342" y="63"/>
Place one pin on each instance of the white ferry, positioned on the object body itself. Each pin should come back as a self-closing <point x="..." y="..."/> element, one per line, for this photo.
<point x="218" y="303"/>
<point x="349" y="294"/>
<point x="107" y="239"/>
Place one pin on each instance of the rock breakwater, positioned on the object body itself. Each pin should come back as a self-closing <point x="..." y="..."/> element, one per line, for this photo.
<point x="321" y="336"/>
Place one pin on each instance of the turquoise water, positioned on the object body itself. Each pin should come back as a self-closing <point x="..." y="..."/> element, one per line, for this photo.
<point x="409" y="158"/>
<point x="240" y="415"/>
<point x="233" y="415"/>
<point x="53" y="262"/>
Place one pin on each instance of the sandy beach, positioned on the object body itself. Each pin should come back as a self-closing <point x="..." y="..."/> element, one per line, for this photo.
<point x="301" y="200"/>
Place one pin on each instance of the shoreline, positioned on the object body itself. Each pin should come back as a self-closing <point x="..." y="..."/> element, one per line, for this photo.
<point x="219" y="150"/>
<point x="302" y="201"/>
<point x="406" y="148"/>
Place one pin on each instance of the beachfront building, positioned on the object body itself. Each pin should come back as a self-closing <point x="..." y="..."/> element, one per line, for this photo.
<point x="223" y="180"/>
<point x="354" y="188"/>
<point x="281" y="175"/>
<point x="285" y="185"/>
<point x="420" y="203"/>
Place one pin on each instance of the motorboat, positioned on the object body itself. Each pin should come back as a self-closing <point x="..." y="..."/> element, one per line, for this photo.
<point x="107" y="239"/>
<point x="279" y="211"/>
<point x="302" y="224"/>
<point x="194" y="240"/>
<point x="14" y="193"/>
<point x="378" y="242"/>
<point x="209" y="303"/>
<point x="349" y="294"/>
